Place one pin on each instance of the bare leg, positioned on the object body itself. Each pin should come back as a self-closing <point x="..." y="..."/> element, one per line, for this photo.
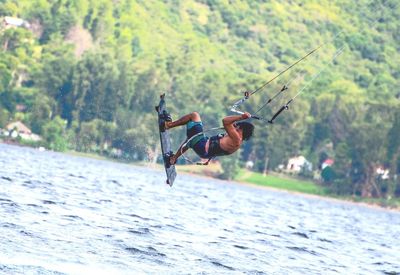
<point x="183" y="120"/>
<point x="179" y="122"/>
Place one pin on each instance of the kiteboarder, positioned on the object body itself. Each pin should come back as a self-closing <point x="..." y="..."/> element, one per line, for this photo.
<point x="206" y="147"/>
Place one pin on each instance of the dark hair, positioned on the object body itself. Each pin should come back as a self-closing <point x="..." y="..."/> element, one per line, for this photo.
<point x="247" y="128"/>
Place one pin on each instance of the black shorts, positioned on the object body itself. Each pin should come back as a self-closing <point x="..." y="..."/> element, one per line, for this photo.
<point x="198" y="143"/>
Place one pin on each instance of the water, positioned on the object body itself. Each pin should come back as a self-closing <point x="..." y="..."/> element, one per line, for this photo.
<point x="62" y="214"/>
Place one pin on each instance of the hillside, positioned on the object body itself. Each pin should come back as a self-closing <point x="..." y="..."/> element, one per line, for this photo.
<point x="85" y="75"/>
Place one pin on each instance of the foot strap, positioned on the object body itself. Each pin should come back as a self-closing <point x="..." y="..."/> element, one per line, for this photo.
<point x="164" y="116"/>
<point x="205" y="163"/>
<point x="167" y="159"/>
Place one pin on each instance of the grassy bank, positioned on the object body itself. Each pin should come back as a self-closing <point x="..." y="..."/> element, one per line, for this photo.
<point x="278" y="181"/>
<point x="287" y="183"/>
<point x="281" y="182"/>
<point x="308" y="187"/>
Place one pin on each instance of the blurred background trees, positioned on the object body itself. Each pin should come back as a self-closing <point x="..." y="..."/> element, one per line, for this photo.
<point x="86" y="75"/>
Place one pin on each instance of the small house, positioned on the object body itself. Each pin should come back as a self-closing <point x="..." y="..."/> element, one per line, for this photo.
<point x="382" y="172"/>
<point x="327" y="163"/>
<point x="296" y="164"/>
<point x="249" y="164"/>
<point x="17" y="128"/>
<point x="14" y="22"/>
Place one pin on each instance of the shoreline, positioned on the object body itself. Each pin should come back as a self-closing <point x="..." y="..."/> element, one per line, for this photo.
<point x="327" y="198"/>
<point x="159" y="167"/>
<point x="349" y="201"/>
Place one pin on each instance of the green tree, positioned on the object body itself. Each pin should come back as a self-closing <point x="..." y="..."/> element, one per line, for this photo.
<point x="367" y="152"/>
<point x="5" y="77"/>
<point x="8" y="9"/>
<point x="230" y="167"/>
<point x="4" y="117"/>
<point x="53" y="134"/>
<point x="140" y="139"/>
<point x="393" y="155"/>
<point x="40" y="113"/>
<point x="87" y="138"/>
<point x="93" y="90"/>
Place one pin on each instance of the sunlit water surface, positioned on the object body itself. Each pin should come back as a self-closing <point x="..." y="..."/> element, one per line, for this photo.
<point x="65" y="214"/>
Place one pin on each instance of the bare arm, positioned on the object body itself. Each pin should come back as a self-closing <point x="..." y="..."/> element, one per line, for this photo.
<point x="230" y="129"/>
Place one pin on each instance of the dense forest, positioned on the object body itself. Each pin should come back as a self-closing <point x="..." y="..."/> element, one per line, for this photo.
<point x="85" y="75"/>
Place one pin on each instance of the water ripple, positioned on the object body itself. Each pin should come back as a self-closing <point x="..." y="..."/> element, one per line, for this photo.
<point x="63" y="214"/>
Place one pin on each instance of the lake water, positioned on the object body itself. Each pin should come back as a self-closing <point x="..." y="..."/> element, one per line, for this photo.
<point x="62" y="214"/>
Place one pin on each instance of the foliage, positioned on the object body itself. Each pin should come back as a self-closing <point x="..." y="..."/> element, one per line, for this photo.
<point x="230" y="167"/>
<point x="204" y="53"/>
<point x="3" y="117"/>
<point x="280" y="182"/>
<point x="53" y="133"/>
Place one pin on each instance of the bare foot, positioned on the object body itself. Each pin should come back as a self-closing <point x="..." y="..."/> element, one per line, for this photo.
<point x="172" y="160"/>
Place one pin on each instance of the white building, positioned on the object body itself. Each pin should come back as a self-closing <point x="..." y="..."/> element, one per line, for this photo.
<point x="382" y="172"/>
<point x="9" y="22"/>
<point x="17" y="128"/>
<point x="296" y="164"/>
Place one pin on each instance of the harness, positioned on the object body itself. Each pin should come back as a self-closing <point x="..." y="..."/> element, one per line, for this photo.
<point x="214" y="148"/>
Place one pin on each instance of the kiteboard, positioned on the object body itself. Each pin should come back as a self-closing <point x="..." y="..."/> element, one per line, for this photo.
<point x="165" y="141"/>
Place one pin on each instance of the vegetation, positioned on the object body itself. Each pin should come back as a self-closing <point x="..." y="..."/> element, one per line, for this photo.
<point x="88" y="74"/>
<point x="280" y="182"/>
